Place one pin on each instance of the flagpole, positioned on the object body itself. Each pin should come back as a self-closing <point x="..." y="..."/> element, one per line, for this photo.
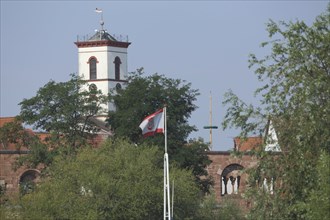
<point x="165" y="129"/>
<point x="167" y="200"/>
<point x="157" y="123"/>
<point x="164" y="188"/>
<point x="165" y="164"/>
<point x="172" y="199"/>
<point x="167" y="207"/>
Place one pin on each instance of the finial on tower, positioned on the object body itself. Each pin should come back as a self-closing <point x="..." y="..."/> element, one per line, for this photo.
<point x="99" y="11"/>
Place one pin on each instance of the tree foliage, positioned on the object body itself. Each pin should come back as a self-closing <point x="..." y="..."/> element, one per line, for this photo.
<point x="296" y="97"/>
<point x="318" y="202"/>
<point x="211" y="209"/>
<point x="192" y="156"/>
<point x="144" y="95"/>
<point x="13" y="134"/>
<point x="115" y="181"/>
<point x="64" y="110"/>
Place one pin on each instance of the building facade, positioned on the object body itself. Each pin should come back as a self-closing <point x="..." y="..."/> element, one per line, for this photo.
<point x="12" y="177"/>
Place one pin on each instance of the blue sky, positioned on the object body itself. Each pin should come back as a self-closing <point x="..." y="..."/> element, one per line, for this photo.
<point x="206" y="43"/>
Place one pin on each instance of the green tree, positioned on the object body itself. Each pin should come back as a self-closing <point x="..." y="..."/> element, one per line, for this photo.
<point x="116" y="181"/>
<point x="296" y="97"/>
<point x="318" y="202"/>
<point x="14" y="134"/>
<point x="64" y="110"/>
<point x="211" y="209"/>
<point x="192" y="156"/>
<point x="142" y="96"/>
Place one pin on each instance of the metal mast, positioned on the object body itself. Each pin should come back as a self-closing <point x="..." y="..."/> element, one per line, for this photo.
<point x="210" y="127"/>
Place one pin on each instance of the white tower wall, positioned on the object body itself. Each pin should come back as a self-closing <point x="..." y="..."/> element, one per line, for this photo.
<point x="105" y="66"/>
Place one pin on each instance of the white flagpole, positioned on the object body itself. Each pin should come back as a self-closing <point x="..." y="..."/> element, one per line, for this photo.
<point x="164" y="188"/>
<point x="168" y="189"/>
<point x="167" y="207"/>
<point x="172" y="198"/>
<point x="165" y="135"/>
<point x="165" y="129"/>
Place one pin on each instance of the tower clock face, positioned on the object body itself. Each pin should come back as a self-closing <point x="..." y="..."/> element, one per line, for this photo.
<point x="118" y="86"/>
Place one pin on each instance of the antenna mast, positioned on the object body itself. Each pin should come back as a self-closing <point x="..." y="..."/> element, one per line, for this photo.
<point x="211" y="119"/>
<point x="210" y="127"/>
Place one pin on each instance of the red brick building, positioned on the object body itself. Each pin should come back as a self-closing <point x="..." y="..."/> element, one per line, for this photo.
<point x="226" y="169"/>
<point x="11" y="177"/>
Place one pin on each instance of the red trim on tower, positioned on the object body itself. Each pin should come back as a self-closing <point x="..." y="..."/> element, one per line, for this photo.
<point x="102" y="43"/>
<point x="92" y="57"/>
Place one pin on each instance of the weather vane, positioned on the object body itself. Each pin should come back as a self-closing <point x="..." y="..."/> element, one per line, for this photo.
<point x="99" y="11"/>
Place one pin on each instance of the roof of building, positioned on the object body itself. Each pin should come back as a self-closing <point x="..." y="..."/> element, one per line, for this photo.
<point x="269" y="141"/>
<point x="271" y="138"/>
<point x="12" y="146"/>
<point x="5" y="120"/>
<point x="102" y="35"/>
<point x="247" y="144"/>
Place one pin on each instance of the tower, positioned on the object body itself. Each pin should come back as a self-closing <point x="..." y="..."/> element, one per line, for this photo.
<point x="102" y="62"/>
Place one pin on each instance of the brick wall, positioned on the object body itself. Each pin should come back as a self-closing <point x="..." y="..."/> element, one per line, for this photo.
<point x="9" y="176"/>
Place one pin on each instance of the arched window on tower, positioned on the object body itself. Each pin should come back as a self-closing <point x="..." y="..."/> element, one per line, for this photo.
<point x="93" y="99"/>
<point x="117" y="63"/>
<point x="93" y="90"/>
<point x="92" y="67"/>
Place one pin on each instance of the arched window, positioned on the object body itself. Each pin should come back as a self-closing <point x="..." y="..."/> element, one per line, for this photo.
<point x="93" y="88"/>
<point x="92" y="68"/>
<point x="92" y="93"/>
<point x="28" y="180"/>
<point x="231" y="179"/>
<point x="117" y="63"/>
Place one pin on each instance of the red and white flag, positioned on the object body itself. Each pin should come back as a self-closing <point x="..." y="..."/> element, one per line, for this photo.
<point x="153" y="124"/>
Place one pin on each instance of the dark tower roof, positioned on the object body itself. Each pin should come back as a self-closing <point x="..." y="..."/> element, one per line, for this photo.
<point x="102" y="38"/>
<point x="101" y="35"/>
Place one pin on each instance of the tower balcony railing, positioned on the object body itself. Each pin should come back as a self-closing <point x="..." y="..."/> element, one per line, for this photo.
<point x="117" y="37"/>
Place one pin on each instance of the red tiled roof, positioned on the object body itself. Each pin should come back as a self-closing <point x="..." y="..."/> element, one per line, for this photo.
<point x="247" y="144"/>
<point x="6" y="120"/>
<point x="12" y="146"/>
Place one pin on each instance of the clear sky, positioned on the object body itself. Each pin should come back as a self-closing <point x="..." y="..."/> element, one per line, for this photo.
<point x="206" y="43"/>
